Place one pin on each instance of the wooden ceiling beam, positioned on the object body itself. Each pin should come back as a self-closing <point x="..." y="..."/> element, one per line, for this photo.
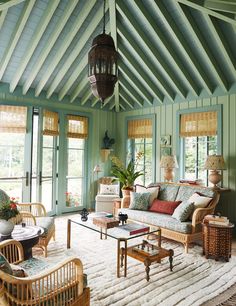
<point x="197" y="6"/>
<point x="113" y="29"/>
<point x="126" y="98"/>
<point x="143" y="59"/>
<point x="67" y="41"/>
<point x="75" y="53"/>
<point x="202" y="45"/>
<point x="107" y="101"/>
<point x="32" y="45"/>
<point x="180" y="72"/>
<point x="137" y="85"/>
<point x="222" y="43"/>
<point x="86" y="97"/>
<point x="15" y="36"/>
<point x="3" y="15"/>
<point x="222" y="6"/>
<point x="8" y="4"/>
<point x="180" y="40"/>
<point x="50" y="43"/>
<point x="149" y="47"/>
<point x="138" y="71"/>
<point x="130" y="91"/>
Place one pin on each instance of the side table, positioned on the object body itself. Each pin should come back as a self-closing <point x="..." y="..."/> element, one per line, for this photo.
<point x="217" y="241"/>
<point x="105" y="223"/>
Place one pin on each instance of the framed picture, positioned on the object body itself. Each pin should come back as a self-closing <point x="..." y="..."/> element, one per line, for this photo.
<point x="165" y="151"/>
<point x="165" y="140"/>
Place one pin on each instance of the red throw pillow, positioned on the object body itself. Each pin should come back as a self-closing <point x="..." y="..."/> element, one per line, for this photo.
<point x="164" y="207"/>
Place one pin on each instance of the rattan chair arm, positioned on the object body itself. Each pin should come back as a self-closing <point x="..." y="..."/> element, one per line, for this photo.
<point x="37" y="209"/>
<point x="12" y="250"/>
<point x="28" y="218"/>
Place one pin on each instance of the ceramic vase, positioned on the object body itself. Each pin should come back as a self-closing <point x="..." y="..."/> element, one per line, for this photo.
<point x="6" y="228"/>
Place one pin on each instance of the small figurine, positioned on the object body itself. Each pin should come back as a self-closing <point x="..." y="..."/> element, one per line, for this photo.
<point x="123" y="218"/>
<point x="84" y="215"/>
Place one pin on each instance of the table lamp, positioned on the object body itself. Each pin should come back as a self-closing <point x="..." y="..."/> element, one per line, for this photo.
<point x="215" y="163"/>
<point x="169" y="162"/>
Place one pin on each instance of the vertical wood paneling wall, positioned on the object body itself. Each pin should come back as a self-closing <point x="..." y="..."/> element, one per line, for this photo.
<point x="166" y="125"/>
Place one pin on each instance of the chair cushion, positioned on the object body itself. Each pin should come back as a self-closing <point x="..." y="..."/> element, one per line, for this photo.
<point x="46" y="223"/>
<point x="106" y="197"/>
<point x="185" y="192"/>
<point x="18" y="271"/>
<point x="167" y="192"/>
<point x="164" y="207"/>
<point x="139" y="201"/>
<point x="4" y="265"/>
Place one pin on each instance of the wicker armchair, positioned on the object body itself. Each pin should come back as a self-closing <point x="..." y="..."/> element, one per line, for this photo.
<point x="61" y="285"/>
<point x="35" y="214"/>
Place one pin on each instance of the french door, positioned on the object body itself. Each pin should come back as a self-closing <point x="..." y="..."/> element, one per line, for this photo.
<point x="28" y="163"/>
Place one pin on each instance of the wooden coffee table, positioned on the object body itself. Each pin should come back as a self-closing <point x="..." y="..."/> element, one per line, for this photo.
<point x="105" y="223"/>
<point x="147" y="253"/>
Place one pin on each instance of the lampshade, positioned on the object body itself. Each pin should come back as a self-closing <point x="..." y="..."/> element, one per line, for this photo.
<point x="97" y="169"/>
<point x="215" y="162"/>
<point x="169" y="161"/>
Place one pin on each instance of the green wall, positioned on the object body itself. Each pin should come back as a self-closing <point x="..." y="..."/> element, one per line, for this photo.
<point x="166" y="125"/>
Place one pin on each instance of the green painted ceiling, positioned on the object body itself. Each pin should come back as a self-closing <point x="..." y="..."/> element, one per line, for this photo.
<point x="169" y="50"/>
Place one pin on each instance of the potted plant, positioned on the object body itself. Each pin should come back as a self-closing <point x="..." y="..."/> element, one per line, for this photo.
<point x="126" y="175"/>
<point x="8" y="210"/>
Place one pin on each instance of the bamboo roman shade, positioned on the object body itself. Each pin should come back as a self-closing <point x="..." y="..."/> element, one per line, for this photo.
<point x="140" y="128"/>
<point x="13" y="119"/>
<point x="77" y="127"/>
<point x="50" y="123"/>
<point x="198" y="124"/>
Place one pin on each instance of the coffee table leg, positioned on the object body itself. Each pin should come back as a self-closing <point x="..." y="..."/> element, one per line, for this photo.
<point x="68" y="233"/>
<point x="171" y="252"/>
<point x="147" y="269"/>
<point x="121" y="254"/>
<point x="118" y="259"/>
<point x="100" y="232"/>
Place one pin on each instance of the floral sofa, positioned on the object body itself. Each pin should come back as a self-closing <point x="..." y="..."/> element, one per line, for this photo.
<point x="186" y="231"/>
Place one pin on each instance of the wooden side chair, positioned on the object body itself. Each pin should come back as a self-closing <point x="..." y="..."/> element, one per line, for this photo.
<point x="35" y="214"/>
<point x="60" y="285"/>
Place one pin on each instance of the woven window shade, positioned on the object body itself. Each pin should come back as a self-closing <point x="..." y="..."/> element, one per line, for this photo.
<point x="77" y="127"/>
<point x="13" y="119"/>
<point x="141" y="128"/>
<point x="50" y="123"/>
<point x="198" y="124"/>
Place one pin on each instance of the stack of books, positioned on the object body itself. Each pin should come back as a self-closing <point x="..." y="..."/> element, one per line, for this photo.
<point x="216" y="220"/>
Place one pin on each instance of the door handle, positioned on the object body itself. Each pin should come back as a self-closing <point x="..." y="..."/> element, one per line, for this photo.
<point x="40" y="178"/>
<point x="27" y="178"/>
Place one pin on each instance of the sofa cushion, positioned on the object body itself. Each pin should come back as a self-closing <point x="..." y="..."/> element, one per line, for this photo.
<point x="183" y="211"/>
<point x="139" y="201"/>
<point x="157" y="219"/>
<point x="46" y="223"/>
<point x="167" y="191"/>
<point x="185" y="192"/>
<point x="165" y="207"/>
<point x="152" y="190"/>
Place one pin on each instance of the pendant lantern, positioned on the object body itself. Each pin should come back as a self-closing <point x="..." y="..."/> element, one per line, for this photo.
<point x="102" y="65"/>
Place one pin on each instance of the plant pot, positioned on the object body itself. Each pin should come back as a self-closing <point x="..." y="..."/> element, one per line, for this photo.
<point x="6" y="228"/>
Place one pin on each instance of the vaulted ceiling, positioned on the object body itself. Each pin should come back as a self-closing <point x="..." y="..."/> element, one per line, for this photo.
<point x="169" y="50"/>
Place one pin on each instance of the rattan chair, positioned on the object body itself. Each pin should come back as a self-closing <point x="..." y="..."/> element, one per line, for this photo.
<point x="35" y="214"/>
<point x="61" y="285"/>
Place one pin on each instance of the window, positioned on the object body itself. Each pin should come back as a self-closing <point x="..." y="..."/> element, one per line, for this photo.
<point x="140" y="139"/>
<point x="200" y="137"/>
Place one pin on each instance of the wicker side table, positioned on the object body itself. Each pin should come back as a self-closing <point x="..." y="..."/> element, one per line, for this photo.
<point x="217" y="241"/>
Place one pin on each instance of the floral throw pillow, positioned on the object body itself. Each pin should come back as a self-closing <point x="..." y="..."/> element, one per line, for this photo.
<point x="152" y="190"/>
<point x="183" y="211"/>
<point x="139" y="201"/>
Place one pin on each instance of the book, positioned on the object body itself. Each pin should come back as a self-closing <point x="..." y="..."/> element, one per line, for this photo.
<point x="134" y="228"/>
<point x="215" y="218"/>
<point x="225" y="223"/>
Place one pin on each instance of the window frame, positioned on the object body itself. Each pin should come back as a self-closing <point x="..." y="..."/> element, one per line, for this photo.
<point x="152" y="117"/>
<point x="180" y="140"/>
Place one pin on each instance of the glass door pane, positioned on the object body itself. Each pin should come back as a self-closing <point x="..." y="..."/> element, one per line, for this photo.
<point x="75" y="173"/>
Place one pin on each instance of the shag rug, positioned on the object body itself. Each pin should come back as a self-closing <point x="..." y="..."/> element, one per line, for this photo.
<point x="194" y="280"/>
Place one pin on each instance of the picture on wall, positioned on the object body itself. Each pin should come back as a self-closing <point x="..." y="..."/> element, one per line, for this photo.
<point x="165" y="151"/>
<point x="165" y="140"/>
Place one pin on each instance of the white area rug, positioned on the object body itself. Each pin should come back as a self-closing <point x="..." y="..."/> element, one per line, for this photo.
<point x="194" y="279"/>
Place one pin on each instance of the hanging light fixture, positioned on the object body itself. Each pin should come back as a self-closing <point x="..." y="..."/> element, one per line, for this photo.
<point x="102" y="64"/>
